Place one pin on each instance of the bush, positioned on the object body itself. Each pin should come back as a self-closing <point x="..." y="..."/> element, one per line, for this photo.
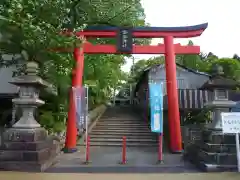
<point x="52" y="122"/>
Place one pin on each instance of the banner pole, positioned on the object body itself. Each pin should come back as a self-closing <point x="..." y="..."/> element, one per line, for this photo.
<point x="238" y="151"/>
<point x="160" y="160"/>
<point x="86" y="121"/>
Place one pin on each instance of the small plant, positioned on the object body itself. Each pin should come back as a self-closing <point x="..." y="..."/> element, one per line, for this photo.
<point x="201" y="117"/>
<point x="46" y="119"/>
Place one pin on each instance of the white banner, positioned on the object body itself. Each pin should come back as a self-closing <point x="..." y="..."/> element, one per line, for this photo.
<point x="80" y="100"/>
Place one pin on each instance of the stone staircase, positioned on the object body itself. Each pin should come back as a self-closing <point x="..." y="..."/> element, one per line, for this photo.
<point x="118" y="122"/>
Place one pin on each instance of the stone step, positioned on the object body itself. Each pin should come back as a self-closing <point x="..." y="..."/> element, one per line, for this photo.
<point x="110" y="123"/>
<point x="121" y="133"/>
<point x="129" y="136"/>
<point x="139" y="138"/>
<point x="120" y="119"/>
<point x="119" y="144"/>
<point x="121" y="130"/>
<point x="121" y="122"/>
<point x="122" y="127"/>
<point x="120" y="140"/>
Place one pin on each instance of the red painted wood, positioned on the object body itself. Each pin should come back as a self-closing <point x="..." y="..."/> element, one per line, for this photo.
<point x="173" y="105"/>
<point x="87" y="149"/>
<point x="160" y="148"/>
<point x="137" y="49"/>
<point x="71" y="134"/>
<point x="124" y="150"/>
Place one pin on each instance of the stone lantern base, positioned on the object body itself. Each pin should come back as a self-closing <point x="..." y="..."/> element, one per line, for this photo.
<point x="27" y="150"/>
<point x="214" y="151"/>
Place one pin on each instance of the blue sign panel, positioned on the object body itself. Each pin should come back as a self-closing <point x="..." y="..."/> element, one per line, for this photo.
<point x="236" y="108"/>
<point x="156" y="106"/>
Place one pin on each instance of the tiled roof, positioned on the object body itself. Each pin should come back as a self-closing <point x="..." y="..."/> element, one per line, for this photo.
<point x="145" y="71"/>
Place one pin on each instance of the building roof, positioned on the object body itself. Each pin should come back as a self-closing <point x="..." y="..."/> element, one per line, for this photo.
<point x="146" y="71"/>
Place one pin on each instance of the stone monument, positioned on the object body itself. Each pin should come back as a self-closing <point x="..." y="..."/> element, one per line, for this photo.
<point x="26" y="146"/>
<point x="215" y="151"/>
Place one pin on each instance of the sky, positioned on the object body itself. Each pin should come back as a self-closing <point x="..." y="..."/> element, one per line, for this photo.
<point x="222" y="37"/>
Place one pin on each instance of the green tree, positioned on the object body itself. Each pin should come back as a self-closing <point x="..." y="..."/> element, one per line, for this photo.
<point x="235" y="56"/>
<point x="231" y="67"/>
<point x="192" y="61"/>
<point x="30" y="28"/>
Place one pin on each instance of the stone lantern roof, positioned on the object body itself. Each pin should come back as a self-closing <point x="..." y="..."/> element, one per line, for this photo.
<point x="30" y="77"/>
<point x="217" y="81"/>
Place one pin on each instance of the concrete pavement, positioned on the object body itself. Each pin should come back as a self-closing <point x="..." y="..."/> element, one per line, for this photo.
<point x="64" y="176"/>
<point x="107" y="159"/>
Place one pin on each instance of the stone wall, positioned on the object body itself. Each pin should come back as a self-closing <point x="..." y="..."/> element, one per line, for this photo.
<point x="61" y="136"/>
<point x="191" y="133"/>
<point x="209" y="149"/>
<point x="96" y="112"/>
<point x="1" y="133"/>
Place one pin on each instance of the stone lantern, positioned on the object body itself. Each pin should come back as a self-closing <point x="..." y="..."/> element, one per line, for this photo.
<point x="215" y="151"/>
<point x="26" y="146"/>
<point x="219" y="88"/>
<point x="28" y="100"/>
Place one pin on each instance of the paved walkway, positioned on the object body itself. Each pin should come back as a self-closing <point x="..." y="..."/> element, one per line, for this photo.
<point x="107" y="160"/>
<point x="65" y="176"/>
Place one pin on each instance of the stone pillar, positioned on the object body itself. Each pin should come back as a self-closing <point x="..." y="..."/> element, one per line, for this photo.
<point x="26" y="146"/>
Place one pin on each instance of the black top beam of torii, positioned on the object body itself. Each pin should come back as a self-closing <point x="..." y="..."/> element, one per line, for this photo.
<point x="149" y="29"/>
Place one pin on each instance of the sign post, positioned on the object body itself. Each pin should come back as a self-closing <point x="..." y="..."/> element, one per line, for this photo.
<point x="231" y="125"/>
<point x="86" y="122"/>
<point x="156" y="106"/>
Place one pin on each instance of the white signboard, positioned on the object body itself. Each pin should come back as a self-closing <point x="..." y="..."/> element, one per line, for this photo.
<point x="231" y="125"/>
<point x="231" y="122"/>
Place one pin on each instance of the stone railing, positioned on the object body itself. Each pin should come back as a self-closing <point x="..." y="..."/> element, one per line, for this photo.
<point x="92" y="116"/>
<point x="95" y="113"/>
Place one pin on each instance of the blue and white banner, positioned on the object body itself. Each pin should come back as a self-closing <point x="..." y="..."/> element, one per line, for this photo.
<point x="156" y="107"/>
<point x="79" y="94"/>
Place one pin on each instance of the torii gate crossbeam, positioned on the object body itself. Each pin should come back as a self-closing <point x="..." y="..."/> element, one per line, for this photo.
<point x="125" y="46"/>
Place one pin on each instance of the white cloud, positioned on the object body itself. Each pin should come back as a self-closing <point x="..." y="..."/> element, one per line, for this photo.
<point x="222" y="37"/>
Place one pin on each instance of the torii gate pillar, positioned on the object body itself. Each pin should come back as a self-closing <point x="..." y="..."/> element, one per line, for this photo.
<point x="77" y="77"/>
<point x="172" y="95"/>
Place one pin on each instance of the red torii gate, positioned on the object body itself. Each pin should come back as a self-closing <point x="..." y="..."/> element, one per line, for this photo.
<point x="125" y="45"/>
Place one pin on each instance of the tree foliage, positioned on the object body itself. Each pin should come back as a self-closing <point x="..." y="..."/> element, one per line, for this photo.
<point x="31" y="28"/>
<point x="202" y="63"/>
